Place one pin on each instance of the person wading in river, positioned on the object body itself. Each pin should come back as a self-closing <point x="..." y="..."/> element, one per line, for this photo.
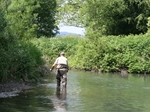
<point x="62" y="69"/>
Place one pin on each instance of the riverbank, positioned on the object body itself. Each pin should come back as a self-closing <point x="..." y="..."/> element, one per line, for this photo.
<point x="12" y="88"/>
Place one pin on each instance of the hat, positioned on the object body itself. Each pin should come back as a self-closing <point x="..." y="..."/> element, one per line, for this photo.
<point x="62" y="53"/>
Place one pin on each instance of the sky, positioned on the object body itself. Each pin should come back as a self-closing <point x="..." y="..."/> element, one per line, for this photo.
<point x="72" y="29"/>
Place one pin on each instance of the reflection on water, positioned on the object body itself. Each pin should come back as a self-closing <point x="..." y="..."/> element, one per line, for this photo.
<point x="85" y="92"/>
<point x="61" y="95"/>
<point x="60" y="104"/>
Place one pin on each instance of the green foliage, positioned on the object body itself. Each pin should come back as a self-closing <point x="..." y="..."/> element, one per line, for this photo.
<point x="148" y="25"/>
<point x="106" y="54"/>
<point x="32" y="18"/>
<point x="20" y="62"/>
<point x="106" y="17"/>
<point x="51" y="48"/>
<point x="46" y="18"/>
<point x="112" y="54"/>
<point x="119" y="17"/>
<point x="5" y="33"/>
<point x="69" y="13"/>
<point x="3" y="25"/>
<point x="21" y="18"/>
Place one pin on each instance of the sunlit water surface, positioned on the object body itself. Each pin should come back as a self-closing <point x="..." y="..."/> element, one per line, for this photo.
<point x="85" y="92"/>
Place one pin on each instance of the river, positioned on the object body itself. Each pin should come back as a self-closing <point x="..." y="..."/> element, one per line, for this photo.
<point x="85" y="92"/>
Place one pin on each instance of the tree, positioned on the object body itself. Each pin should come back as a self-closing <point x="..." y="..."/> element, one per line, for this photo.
<point x="118" y="17"/>
<point x="108" y="17"/>
<point x="32" y="18"/>
<point x="135" y="16"/>
<point x="46" y="18"/>
<point x="70" y="12"/>
<point x="5" y="34"/>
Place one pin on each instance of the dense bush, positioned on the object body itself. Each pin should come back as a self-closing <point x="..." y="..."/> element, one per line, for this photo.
<point x="114" y="53"/>
<point x="106" y="54"/>
<point x="52" y="47"/>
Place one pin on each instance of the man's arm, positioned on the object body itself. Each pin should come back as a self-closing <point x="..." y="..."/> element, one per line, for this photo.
<point x="51" y="69"/>
<point x="55" y="63"/>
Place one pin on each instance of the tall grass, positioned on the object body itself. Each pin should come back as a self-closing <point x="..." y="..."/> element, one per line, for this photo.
<point x="20" y="62"/>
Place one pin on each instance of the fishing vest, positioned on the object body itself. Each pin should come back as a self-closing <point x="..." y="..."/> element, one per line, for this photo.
<point x="61" y="62"/>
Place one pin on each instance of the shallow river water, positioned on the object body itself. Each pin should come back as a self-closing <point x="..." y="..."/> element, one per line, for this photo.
<point x="85" y="92"/>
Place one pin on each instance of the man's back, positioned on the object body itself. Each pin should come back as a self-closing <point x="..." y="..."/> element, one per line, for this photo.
<point x="61" y="60"/>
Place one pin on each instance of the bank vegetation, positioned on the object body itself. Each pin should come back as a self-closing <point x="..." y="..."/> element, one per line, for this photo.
<point x="106" y="54"/>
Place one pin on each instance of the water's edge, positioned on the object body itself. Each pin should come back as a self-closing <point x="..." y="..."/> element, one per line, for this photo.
<point x="12" y="88"/>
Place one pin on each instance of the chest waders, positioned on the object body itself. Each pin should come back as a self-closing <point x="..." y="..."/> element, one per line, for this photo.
<point x="61" y="75"/>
